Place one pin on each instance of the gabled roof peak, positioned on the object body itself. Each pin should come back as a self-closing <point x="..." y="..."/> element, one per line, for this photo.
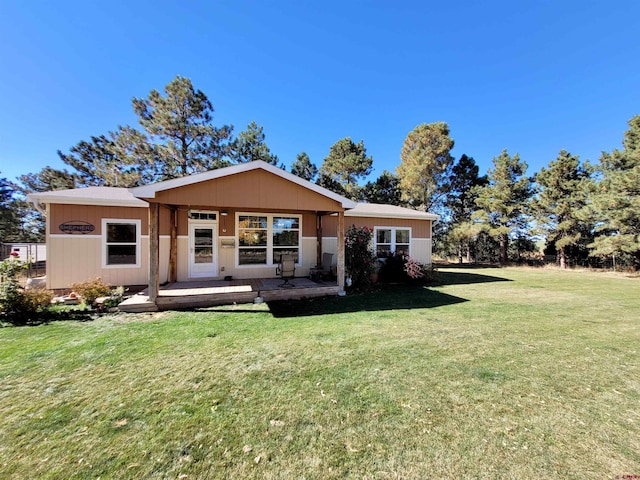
<point x="149" y="191"/>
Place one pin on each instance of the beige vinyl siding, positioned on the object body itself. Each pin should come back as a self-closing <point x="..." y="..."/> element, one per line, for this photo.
<point x="420" y="248"/>
<point x="77" y="258"/>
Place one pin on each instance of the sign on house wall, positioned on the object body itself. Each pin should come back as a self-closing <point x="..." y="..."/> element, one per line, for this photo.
<point x="76" y="227"/>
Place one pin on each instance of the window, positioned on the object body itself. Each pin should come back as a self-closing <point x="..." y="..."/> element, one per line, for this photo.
<point x="121" y="243"/>
<point x="202" y="215"/>
<point x="392" y="240"/>
<point x="263" y="239"/>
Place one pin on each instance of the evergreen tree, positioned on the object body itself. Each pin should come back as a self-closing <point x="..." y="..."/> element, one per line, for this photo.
<point x="385" y="190"/>
<point x="303" y="168"/>
<point x="346" y="163"/>
<point x="250" y="146"/>
<point x="618" y="198"/>
<point x="564" y="188"/>
<point x="329" y="183"/>
<point x="178" y="139"/>
<point x="46" y="180"/>
<point x="9" y="221"/>
<point x="425" y="165"/>
<point x="503" y="202"/>
<point x="462" y="188"/>
<point x="178" y="126"/>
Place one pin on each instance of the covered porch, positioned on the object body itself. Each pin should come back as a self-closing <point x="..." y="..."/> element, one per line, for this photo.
<point x="208" y="293"/>
<point x="237" y="222"/>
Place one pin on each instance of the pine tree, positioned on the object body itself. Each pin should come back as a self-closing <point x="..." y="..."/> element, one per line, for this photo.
<point x="385" y="190"/>
<point x="617" y="199"/>
<point x="425" y="165"/>
<point x="178" y="126"/>
<point x="564" y="188"/>
<point x="462" y="188"/>
<point x="250" y="146"/>
<point x="346" y="163"/>
<point x="303" y="168"/>
<point x="9" y="220"/>
<point x="503" y="202"/>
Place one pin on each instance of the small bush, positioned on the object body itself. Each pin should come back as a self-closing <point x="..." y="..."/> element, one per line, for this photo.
<point x="360" y="261"/>
<point x="401" y="268"/>
<point x="116" y="297"/>
<point x="91" y="289"/>
<point x="34" y="301"/>
<point x="16" y="304"/>
<point x="413" y="269"/>
<point x="392" y="269"/>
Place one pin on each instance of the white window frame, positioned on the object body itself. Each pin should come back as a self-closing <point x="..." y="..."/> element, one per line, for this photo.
<point x="270" y="230"/>
<point x="393" y="247"/>
<point x="105" y="244"/>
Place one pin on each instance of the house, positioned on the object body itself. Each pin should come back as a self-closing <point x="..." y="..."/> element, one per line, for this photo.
<point x="233" y="222"/>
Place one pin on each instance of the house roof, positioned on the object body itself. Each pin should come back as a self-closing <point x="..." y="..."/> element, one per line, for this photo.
<point x="388" y="211"/>
<point x="149" y="191"/>
<point x="131" y="197"/>
<point x="107" y="196"/>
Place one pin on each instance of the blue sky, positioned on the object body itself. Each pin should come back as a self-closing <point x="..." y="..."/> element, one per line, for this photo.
<point x="533" y="77"/>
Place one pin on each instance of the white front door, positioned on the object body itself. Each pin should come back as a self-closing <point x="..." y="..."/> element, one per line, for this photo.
<point x="203" y="249"/>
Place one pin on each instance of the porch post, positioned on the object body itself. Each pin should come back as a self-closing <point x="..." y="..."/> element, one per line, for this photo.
<point x="319" y="239"/>
<point x="341" y="272"/>
<point x="173" y="246"/>
<point x="154" y="250"/>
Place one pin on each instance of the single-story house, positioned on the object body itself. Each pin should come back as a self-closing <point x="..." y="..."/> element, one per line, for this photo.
<point x="233" y="222"/>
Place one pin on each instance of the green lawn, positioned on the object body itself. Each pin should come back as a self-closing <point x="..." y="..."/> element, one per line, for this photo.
<point x="497" y="373"/>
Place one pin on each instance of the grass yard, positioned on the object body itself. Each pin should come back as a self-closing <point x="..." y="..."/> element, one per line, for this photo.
<point x="497" y="373"/>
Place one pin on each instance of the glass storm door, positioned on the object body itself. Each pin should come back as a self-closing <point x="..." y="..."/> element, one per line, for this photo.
<point x="203" y="251"/>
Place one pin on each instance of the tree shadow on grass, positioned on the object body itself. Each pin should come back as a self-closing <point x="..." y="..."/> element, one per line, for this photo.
<point x="466" y="278"/>
<point x="393" y="297"/>
<point x="43" y="318"/>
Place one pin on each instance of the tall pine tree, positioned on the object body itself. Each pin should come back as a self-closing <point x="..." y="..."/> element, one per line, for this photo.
<point x="179" y="126"/>
<point x="564" y="189"/>
<point x="250" y="146"/>
<point x="425" y="165"/>
<point x="463" y="187"/>
<point x="303" y="168"/>
<point x="618" y="198"/>
<point x="503" y="202"/>
<point x="346" y="163"/>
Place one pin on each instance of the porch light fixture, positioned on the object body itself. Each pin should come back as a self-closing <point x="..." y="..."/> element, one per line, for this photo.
<point x="224" y="214"/>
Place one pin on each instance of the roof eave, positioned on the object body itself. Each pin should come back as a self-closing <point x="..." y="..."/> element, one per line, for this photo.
<point x="430" y="216"/>
<point x="44" y="199"/>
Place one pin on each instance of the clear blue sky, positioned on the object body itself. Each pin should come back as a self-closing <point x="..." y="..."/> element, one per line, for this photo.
<point x="532" y="76"/>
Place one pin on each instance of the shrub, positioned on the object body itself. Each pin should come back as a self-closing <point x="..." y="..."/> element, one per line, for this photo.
<point x="392" y="269"/>
<point x="413" y="269"/>
<point x="116" y="297"/>
<point x="401" y="268"/>
<point x="34" y="301"/>
<point x="17" y="304"/>
<point x="91" y="289"/>
<point x="359" y="259"/>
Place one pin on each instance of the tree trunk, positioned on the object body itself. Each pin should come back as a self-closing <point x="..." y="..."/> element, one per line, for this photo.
<point x="563" y="258"/>
<point x="468" y="252"/>
<point x="504" y="245"/>
<point x="460" y="253"/>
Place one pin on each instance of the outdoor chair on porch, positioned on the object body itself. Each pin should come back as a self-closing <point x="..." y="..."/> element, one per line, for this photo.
<point x="325" y="270"/>
<point x="286" y="270"/>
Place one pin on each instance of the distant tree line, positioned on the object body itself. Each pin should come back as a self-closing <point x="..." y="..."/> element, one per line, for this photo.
<point x="583" y="213"/>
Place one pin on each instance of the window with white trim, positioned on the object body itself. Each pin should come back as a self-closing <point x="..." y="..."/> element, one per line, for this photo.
<point x="389" y="240"/>
<point x="264" y="238"/>
<point x="120" y="243"/>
